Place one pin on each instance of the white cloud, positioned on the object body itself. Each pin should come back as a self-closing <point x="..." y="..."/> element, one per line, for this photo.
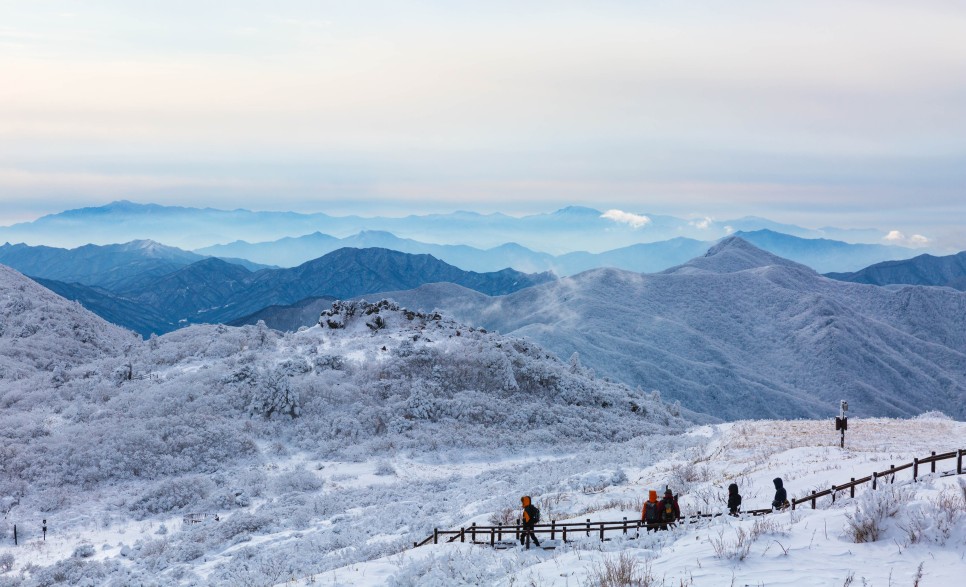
<point x="702" y="223"/>
<point x="898" y="238"/>
<point x="633" y="220"/>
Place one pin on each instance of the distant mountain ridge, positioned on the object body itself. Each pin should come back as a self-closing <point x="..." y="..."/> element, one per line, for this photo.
<point x="115" y="266"/>
<point x="215" y="291"/>
<point x="740" y="331"/>
<point x="947" y="271"/>
<point x="820" y="254"/>
<point x="566" y="230"/>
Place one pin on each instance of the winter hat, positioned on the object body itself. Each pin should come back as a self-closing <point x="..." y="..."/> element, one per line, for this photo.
<point x="652" y="496"/>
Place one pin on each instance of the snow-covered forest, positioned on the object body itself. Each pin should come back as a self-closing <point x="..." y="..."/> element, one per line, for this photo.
<point x="349" y="439"/>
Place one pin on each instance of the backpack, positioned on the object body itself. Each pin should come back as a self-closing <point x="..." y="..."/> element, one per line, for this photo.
<point x="534" y="513"/>
<point x="668" y="514"/>
<point x="651" y="513"/>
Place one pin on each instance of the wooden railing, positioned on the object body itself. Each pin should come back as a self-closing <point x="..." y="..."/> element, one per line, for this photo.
<point x="198" y="518"/>
<point x="493" y="534"/>
<point x="889" y="474"/>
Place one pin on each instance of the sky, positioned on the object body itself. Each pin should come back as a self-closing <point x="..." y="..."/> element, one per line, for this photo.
<point x="846" y="113"/>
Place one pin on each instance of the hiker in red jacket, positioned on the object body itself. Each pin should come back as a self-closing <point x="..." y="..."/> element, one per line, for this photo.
<point x="668" y="510"/>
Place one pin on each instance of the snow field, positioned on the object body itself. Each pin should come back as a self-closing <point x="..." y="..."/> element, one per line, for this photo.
<point x="802" y="547"/>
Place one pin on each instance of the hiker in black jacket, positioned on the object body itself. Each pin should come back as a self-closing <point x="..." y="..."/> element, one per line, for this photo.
<point x="781" y="496"/>
<point x="734" y="499"/>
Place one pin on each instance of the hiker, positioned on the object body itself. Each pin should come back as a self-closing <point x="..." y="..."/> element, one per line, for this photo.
<point x="781" y="496"/>
<point x="530" y="518"/>
<point x="668" y="509"/>
<point x="734" y="499"/>
<point x="650" y="513"/>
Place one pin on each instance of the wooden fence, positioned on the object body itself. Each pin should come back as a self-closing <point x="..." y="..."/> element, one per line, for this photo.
<point x="198" y="518"/>
<point x="888" y="475"/>
<point x="493" y="534"/>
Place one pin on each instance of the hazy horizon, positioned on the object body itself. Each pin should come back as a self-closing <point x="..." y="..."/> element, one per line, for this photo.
<point x="828" y="113"/>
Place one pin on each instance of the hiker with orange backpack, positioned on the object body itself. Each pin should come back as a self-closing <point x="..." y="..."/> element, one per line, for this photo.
<point x="530" y="518"/>
<point x="650" y="513"/>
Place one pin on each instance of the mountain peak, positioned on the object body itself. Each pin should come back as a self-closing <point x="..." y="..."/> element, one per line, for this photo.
<point x="732" y="254"/>
<point x="577" y="211"/>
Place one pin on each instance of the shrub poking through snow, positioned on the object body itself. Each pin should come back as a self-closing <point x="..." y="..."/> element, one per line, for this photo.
<point x="873" y="509"/>
<point x="622" y="570"/>
<point x="732" y="549"/>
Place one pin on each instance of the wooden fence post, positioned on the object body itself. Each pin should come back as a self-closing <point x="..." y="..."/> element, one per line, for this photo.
<point x="500" y="531"/>
<point x="473" y="532"/>
<point x="933" y="468"/>
<point x="492" y="535"/>
<point x="565" y="534"/>
<point x="793" y="505"/>
<point x="588" y="526"/>
<point x="892" y="470"/>
<point x="601" y="531"/>
<point x="852" y="488"/>
<point x="959" y="462"/>
<point x="915" y="469"/>
<point x="813" y="499"/>
<point x="625" y="524"/>
<point x="833" y="494"/>
<point x="435" y="535"/>
<point x="553" y="528"/>
<point x="875" y="478"/>
<point x="462" y="534"/>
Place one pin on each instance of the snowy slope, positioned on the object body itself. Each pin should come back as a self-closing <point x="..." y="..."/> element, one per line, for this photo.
<point x="740" y="332"/>
<point x="42" y="332"/>
<point x="922" y="525"/>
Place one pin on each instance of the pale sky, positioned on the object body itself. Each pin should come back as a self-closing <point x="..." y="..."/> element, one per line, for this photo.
<point x="846" y="113"/>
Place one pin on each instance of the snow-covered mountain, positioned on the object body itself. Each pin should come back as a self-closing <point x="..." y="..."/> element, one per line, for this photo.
<point x="42" y="333"/>
<point x="257" y="428"/>
<point x="742" y="333"/>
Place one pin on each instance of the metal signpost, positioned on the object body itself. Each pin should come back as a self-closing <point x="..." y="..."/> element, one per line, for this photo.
<point x="842" y="421"/>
